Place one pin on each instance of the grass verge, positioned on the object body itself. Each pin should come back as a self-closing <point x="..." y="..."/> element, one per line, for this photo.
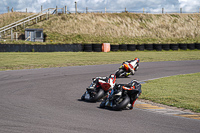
<point x="15" y="61"/>
<point x="180" y="91"/>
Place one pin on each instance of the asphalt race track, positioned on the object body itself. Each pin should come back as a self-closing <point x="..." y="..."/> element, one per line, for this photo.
<point x="47" y="101"/>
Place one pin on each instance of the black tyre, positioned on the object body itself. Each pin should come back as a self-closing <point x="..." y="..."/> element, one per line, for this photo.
<point x="114" y="47"/>
<point x="122" y="104"/>
<point x="96" y="47"/>
<point x="191" y="46"/>
<point x="131" y="47"/>
<point x="197" y="46"/>
<point x="183" y="46"/>
<point x="98" y="96"/>
<point x="140" y="47"/>
<point x="148" y="46"/>
<point x="83" y="97"/>
<point x="117" y="74"/>
<point x="87" y="47"/>
<point x="123" y="47"/>
<point x="174" y="46"/>
<point x="166" y="47"/>
<point x="157" y="47"/>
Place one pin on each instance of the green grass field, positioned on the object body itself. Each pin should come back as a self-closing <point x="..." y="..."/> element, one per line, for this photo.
<point x="181" y="91"/>
<point x="31" y="60"/>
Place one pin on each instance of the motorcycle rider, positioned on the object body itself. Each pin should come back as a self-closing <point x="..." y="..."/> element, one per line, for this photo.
<point x="130" y="86"/>
<point x="111" y="80"/>
<point x="133" y="65"/>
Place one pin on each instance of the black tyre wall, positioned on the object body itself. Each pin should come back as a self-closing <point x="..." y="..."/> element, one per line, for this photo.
<point x="131" y="47"/>
<point x="114" y="47"/>
<point x="191" y="46"/>
<point x="87" y="47"/>
<point x="148" y="47"/>
<point x="157" y="47"/>
<point x="97" y="47"/>
<point x="166" y="47"/>
<point x="140" y="47"/>
<point x="123" y="47"/>
<point x="183" y="46"/>
<point x="197" y="46"/>
<point x="174" y="46"/>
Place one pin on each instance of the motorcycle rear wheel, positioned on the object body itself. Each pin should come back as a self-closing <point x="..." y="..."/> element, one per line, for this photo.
<point x="122" y="104"/>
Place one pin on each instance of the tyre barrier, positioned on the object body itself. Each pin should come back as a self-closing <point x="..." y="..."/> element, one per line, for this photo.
<point x="166" y="47"/>
<point x="197" y="46"/>
<point x="114" y="47"/>
<point x="148" y="47"/>
<point x="131" y="47"/>
<point x="174" y="46"/>
<point x="140" y="47"/>
<point x="157" y="47"/>
<point x="123" y="47"/>
<point x="40" y="48"/>
<point x="92" y="47"/>
<point x="183" y="46"/>
<point x="87" y="47"/>
<point x="97" y="47"/>
<point x="191" y="46"/>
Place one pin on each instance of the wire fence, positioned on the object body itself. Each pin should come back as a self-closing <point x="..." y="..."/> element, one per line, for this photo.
<point x="149" y="11"/>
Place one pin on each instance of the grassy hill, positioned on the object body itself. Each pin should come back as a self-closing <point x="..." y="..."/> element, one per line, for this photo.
<point x="119" y="28"/>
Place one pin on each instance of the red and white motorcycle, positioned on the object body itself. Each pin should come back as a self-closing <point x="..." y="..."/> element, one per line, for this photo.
<point x="127" y="68"/>
<point x="99" y="88"/>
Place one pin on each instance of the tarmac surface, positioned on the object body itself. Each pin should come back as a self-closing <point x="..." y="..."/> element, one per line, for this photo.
<point x="47" y="101"/>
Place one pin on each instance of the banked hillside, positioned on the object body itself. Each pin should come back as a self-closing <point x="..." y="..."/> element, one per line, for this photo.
<point x="116" y="28"/>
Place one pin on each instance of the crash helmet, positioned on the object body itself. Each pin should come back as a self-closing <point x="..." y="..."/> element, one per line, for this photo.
<point x="138" y="60"/>
<point x="112" y="76"/>
<point x="132" y="83"/>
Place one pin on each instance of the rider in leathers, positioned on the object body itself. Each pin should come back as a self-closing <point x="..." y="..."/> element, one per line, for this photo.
<point x="133" y="65"/>
<point x="132" y="85"/>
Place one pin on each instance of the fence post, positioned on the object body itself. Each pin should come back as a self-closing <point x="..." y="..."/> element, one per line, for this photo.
<point x="41" y="8"/>
<point x="105" y="9"/>
<point x="86" y="10"/>
<point x="143" y="10"/>
<point x="75" y="7"/>
<point x="180" y="10"/>
<point x="11" y="34"/>
<point x="162" y="10"/>
<point x="56" y="10"/>
<point x="8" y="9"/>
<point x="16" y="36"/>
<point x="65" y="9"/>
<point x="26" y="10"/>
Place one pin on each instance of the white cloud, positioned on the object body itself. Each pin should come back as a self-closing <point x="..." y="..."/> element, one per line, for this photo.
<point x="99" y="5"/>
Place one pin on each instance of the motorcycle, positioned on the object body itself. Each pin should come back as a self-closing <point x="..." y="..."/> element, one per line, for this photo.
<point x="127" y="68"/>
<point x="122" y="96"/>
<point x="99" y="88"/>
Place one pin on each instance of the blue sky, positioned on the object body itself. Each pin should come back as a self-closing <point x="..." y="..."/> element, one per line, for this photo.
<point x="153" y="6"/>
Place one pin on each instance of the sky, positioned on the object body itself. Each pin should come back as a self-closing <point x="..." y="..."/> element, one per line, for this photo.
<point x="151" y="6"/>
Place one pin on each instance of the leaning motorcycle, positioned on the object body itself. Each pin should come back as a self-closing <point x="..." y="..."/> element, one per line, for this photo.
<point x="99" y="88"/>
<point x="124" y="69"/>
<point x="122" y="96"/>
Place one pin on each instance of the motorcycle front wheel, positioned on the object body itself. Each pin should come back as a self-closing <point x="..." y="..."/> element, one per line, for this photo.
<point x="122" y="104"/>
<point x="99" y="95"/>
<point x="119" y="72"/>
